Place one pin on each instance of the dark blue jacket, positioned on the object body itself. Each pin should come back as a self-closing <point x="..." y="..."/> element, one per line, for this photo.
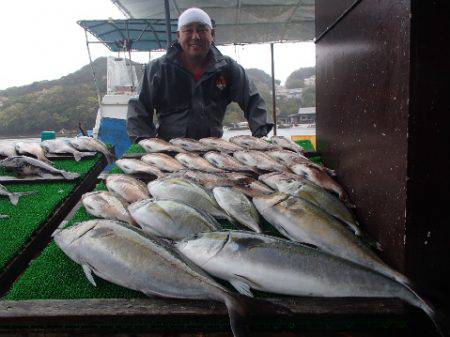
<point x="194" y="109"/>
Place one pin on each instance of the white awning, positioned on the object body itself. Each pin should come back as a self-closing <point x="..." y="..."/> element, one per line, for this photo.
<point x="238" y="21"/>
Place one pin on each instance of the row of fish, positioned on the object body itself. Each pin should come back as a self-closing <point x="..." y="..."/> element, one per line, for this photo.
<point x="77" y="146"/>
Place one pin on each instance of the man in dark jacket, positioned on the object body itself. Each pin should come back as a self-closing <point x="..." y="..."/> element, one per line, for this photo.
<point x="191" y="86"/>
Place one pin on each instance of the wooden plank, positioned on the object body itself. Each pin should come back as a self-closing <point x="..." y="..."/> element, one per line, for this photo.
<point x="69" y="155"/>
<point x="32" y="179"/>
<point x="42" y="236"/>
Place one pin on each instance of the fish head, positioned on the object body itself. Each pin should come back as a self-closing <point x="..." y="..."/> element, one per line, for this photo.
<point x="202" y="247"/>
<point x="264" y="201"/>
<point x="135" y="206"/>
<point x="11" y="162"/>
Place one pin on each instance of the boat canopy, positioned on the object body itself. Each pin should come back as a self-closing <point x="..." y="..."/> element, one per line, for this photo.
<point x="237" y="21"/>
<point x="130" y="35"/>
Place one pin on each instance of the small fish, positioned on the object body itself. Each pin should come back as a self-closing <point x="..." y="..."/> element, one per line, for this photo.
<point x="252" y="143"/>
<point x="190" y="145"/>
<point x="226" y="162"/>
<point x="62" y="146"/>
<point x="286" y="143"/>
<point x="34" y="149"/>
<point x="7" y="149"/>
<point x="248" y="185"/>
<point x="162" y="161"/>
<point x="171" y="219"/>
<point x="259" y="160"/>
<point x="25" y="166"/>
<point x="13" y="196"/>
<point x="187" y="192"/>
<point x="195" y="162"/>
<point x="152" y="145"/>
<point x="220" y="144"/>
<point x="85" y="143"/>
<point x="107" y="205"/>
<point x="318" y="177"/>
<point x="237" y="205"/>
<point x="290" y="158"/>
<point x="136" y="166"/>
<point x="205" y="179"/>
<point x="129" y="188"/>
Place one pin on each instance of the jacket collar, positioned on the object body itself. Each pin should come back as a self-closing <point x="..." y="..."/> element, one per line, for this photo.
<point x="216" y="62"/>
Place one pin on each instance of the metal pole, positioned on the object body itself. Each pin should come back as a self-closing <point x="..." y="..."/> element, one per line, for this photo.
<point x="274" y="104"/>
<point x="168" y="26"/>
<point x="99" y="96"/>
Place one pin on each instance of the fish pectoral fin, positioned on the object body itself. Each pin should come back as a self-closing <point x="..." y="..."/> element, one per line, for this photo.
<point x="88" y="272"/>
<point x="309" y="245"/>
<point x="242" y="285"/>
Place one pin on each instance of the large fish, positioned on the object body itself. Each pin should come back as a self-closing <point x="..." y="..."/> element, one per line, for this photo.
<point x="171" y="219"/>
<point x="106" y="205"/>
<point x="187" y="192"/>
<point x="153" y="145"/>
<point x="129" y="188"/>
<point x="7" y="149"/>
<point x="255" y="261"/>
<point x="302" y="221"/>
<point x="237" y="205"/>
<point x="226" y="162"/>
<point x="296" y="186"/>
<point x="248" y="185"/>
<point x="220" y="144"/>
<point x="190" y="145"/>
<point x="290" y="158"/>
<point x="286" y="143"/>
<point x="62" y="146"/>
<point x="138" y="167"/>
<point x="85" y="143"/>
<point x="195" y="162"/>
<point x="25" y="166"/>
<point x="318" y="177"/>
<point x="34" y="149"/>
<point x="143" y="263"/>
<point x="252" y="143"/>
<point x="205" y="179"/>
<point x="13" y="196"/>
<point x="259" y="160"/>
<point x="162" y="161"/>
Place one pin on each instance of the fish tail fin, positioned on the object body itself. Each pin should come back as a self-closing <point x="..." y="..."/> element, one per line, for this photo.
<point x="77" y="155"/>
<point x="110" y="156"/>
<point x="14" y="198"/>
<point x="70" y="175"/>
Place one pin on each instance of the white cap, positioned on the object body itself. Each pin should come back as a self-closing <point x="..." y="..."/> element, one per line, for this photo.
<point x="191" y="15"/>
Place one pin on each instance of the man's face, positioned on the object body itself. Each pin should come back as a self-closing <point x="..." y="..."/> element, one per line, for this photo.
<point x="195" y="39"/>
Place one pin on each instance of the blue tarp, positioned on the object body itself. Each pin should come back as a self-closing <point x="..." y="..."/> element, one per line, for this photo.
<point x="132" y="34"/>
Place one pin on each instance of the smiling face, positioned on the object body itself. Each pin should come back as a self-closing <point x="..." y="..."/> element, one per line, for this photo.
<point x="195" y="40"/>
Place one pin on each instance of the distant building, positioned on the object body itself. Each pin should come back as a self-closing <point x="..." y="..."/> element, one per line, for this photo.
<point x="310" y="81"/>
<point x="303" y="116"/>
<point x="282" y="92"/>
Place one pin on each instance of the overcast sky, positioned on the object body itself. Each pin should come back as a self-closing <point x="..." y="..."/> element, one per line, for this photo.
<point x="40" y="40"/>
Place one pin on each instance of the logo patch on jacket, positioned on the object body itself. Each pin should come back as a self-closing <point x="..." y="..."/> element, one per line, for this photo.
<point x="221" y="83"/>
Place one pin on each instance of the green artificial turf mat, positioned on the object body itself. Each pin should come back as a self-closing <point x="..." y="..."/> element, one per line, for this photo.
<point x="32" y="210"/>
<point x="306" y="145"/>
<point x="135" y="148"/>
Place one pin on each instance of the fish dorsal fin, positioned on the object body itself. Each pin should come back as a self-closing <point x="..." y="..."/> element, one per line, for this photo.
<point x="88" y="272"/>
<point x="249" y="243"/>
<point x="307" y="244"/>
<point x="241" y="285"/>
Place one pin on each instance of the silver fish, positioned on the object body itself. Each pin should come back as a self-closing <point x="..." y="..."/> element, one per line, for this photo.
<point x="252" y="143"/>
<point x="226" y="162"/>
<point x="302" y="221"/>
<point x="27" y="166"/>
<point x="106" y="205"/>
<point x="62" y="146"/>
<point x="195" y="162"/>
<point x="220" y="144"/>
<point x="255" y="261"/>
<point x="136" y="166"/>
<point x="13" y="196"/>
<point x="290" y="158"/>
<point x="171" y="219"/>
<point x="7" y="149"/>
<point x="205" y="179"/>
<point x="187" y="192"/>
<point x="286" y="143"/>
<point x="127" y="187"/>
<point x="259" y="160"/>
<point x="248" y="185"/>
<point x="34" y="149"/>
<point x="237" y="205"/>
<point x="152" y="145"/>
<point x="298" y="187"/>
<point x="162" y="161"/>
<point x="85" y="143"/>
<point x="189" y="144"/>
<point x="143" y="263"/>
<point x="318" y="177"/>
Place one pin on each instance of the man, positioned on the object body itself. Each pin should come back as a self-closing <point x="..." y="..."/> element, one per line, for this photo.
<point x="191" y="86"/>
